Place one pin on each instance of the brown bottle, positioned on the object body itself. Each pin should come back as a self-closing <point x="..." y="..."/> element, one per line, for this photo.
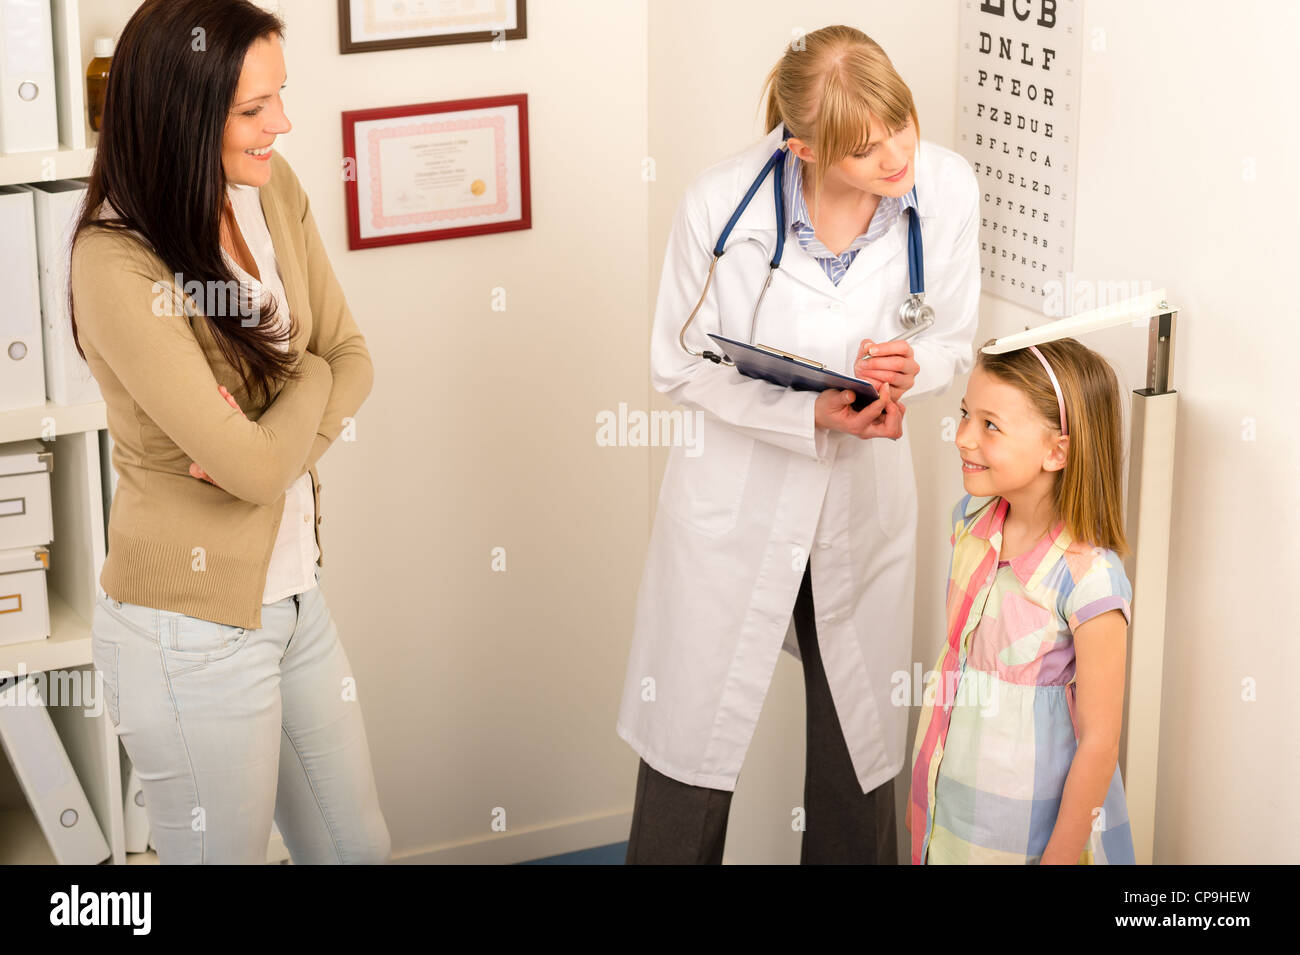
<point x="97" y="79"/>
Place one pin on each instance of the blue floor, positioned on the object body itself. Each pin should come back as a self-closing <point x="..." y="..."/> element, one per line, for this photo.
<point x="601" y="855"/>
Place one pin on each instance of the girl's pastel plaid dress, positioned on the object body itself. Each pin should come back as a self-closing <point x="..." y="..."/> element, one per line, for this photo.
<point x="997" y="731"/>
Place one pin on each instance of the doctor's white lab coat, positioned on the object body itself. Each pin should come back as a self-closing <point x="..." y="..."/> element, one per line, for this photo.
<point x="764" y="490"/>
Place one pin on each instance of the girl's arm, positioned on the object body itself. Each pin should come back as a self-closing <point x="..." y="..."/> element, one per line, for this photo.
<point x="1100" y="646"/>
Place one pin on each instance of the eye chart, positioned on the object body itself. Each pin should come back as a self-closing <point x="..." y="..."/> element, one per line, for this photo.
<point x="1018" y="124"/>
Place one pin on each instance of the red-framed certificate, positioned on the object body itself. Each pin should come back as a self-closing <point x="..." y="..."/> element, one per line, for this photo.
<point x="436" y="170"/>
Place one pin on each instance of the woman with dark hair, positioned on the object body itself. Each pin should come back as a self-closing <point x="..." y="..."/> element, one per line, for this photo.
<point x="203" y="301"/>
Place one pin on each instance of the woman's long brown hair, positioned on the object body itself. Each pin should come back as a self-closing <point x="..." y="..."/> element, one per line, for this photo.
<point x="158" y="164"/>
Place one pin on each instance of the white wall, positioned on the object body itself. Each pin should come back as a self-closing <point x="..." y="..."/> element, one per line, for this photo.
<point x="485" y="689"/>
<point x="1180" y="105"/>
<point x="1178" y="99"/>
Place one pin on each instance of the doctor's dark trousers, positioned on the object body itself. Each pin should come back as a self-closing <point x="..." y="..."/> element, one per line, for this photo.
<point x="675" y="823"/>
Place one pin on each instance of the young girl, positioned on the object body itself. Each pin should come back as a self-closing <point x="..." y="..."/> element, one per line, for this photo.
<point x="1008" y="766"/>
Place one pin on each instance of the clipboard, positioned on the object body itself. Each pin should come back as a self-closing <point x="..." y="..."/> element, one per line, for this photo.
<point x="792" y="371"/>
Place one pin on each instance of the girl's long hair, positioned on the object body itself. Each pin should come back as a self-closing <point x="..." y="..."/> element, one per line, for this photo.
<point x="158" y="164"/>
<point x="1088" y="491"/>
<point x="827" y="87"/>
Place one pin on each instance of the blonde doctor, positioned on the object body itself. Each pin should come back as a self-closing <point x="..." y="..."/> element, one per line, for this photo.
<point x="799" y="514"/>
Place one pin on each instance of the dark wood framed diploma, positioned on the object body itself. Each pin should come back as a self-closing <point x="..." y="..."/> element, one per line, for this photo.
<point x="369" y="25"/>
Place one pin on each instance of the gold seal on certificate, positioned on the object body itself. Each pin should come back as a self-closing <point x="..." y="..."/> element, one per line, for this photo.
<point x="437" y="170"/>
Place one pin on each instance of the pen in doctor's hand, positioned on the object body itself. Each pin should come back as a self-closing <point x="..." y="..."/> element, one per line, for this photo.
<point x="912" y="332"/>
<point x="893" y="362"/>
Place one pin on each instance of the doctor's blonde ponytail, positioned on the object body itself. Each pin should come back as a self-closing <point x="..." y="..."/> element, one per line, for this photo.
<point x="827" y="88"/>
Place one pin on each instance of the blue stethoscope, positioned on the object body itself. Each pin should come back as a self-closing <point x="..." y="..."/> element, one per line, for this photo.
<point x="915" y="315"/>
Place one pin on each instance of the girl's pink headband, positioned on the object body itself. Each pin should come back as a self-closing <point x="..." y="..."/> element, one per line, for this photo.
<point x="1060" y="401"/>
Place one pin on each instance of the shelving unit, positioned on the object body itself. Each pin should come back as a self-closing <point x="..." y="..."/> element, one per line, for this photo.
<point x="76" y="556"/>
<point x="81" y="485"/>
<point x="68" y="645"/>
<point x="59" y="163"/>
<point x="76" y="152"/>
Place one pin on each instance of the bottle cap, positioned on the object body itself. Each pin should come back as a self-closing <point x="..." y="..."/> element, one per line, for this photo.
<point x="103" y="47"/>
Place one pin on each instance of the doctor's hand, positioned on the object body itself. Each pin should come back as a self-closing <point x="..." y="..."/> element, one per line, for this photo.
<point x="890" y="362"/>
<point x="883" y="418"/>
<point x="195" y="470"/>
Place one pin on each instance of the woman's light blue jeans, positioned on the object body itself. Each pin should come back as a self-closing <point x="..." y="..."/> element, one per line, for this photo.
<point x="227" y="726"/>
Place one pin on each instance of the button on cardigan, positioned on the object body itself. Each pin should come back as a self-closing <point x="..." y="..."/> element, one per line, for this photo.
<point x="176" y="542"/>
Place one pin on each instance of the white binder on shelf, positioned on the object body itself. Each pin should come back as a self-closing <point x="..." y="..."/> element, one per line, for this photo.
<point x="45" y="773"/>
<point x="70" y="73"/>
<point x="135" y="822"/>
<point x="22" y="358"/>
<point x="68" y="380"/>
<point x="29" y="113"/>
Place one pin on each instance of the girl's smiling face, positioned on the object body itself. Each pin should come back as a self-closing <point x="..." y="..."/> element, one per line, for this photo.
<point x="1012" y="445"/>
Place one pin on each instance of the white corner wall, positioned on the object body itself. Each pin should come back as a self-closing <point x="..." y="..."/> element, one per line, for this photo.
<point x="1187" y="151"/>
<point x="482" y="689"/>
<point x="486" y="690"/>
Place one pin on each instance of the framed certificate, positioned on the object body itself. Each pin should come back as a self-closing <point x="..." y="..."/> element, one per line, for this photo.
<point x="366" y="25"/>
<point x="436" y="170"/>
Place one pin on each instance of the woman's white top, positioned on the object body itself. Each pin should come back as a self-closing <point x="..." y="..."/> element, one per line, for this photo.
<point x="290" y="571"/>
